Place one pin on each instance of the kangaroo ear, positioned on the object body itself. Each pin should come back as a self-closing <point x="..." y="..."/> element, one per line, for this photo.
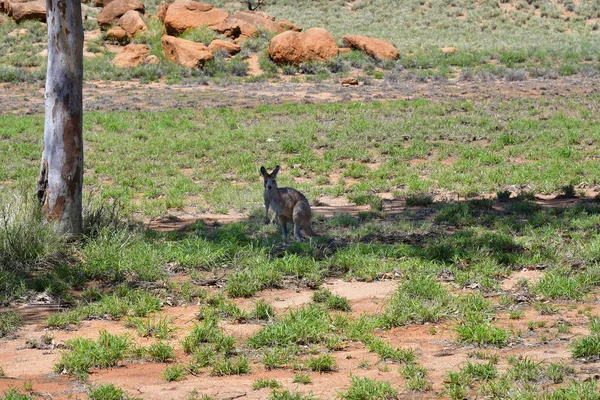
<point x="276" y="170"/>
<point x="263" y="171"/>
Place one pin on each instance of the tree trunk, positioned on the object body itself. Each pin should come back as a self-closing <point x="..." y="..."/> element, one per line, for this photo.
<point x="61" y="173"/>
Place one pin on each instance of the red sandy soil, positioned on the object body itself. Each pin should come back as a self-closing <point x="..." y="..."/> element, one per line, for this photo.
<point x="436" y="345"/>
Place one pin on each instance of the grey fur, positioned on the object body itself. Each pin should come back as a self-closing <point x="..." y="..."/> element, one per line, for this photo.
<point x="289" y="205"/>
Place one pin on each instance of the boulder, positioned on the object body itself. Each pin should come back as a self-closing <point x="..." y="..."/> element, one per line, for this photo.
<point x="259" y="20"/>
<point x="133" y="23"/>
<point x="19" y="33"/>
<point x="101" y="3"/>
<point x="21" y="10"/>
<point x="229" y="28"/>
<point x="117" y="34"/>
<point x="448" y="50"/>
<point x="161" y="12"/>
<point x="116" y="9"/>
<point x="151" y="60"/>
<point x="185" y="52"/>
<point x="374" y="47"/>
<point x="131" y="56"/>
<point x="188" y="14"/>
<point x="230" y="48"/>
<point x="288" y="26"/>
<point x="290" y="47"/>
<point x="349" y="81"/>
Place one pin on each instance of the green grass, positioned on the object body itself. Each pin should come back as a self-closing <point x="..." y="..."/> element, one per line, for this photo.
<point x="307" y="325"/>
<point x="107" y="392"/>
<point x="533" y="39"/>
<point x="120" y="142"/>
<point x="10" y="322"/>
<point x="85" y="354"/>
<point x="365" y="388"/>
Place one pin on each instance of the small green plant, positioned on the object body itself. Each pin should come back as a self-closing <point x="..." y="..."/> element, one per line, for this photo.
<point x="161" y="352"/>
<point x="322" y="363"/>
<point x="263" y="310"/>
<point x="266" y="383"/>
<point x="160" y="328"/>
<point x="556" y="372"/>
<point x="419" y="200"/>
<point x="332" y="301"/>
<point x="277" y="357"/>
<point x="84" y="354"/>
<point x="516" y="314"/>
<point x="587" y="346"/>
<point x="287" y="395"/>
<point x="416" y="376"/>
<point x="302" y="378"/>
<point x="231" y="366"/>
<point x="15" y="394"/>
<point x="10" y="321"/>
<point x="365" y="388"/>
<point x="524" y="369"/>
<point x="389" y="353"/>
<point x="174" y="373"/>
<point x="107" y="392"/>
<point x="482" y="333"/>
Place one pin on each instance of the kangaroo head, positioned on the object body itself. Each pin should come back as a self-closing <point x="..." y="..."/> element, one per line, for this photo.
<point x="270" y="179"/>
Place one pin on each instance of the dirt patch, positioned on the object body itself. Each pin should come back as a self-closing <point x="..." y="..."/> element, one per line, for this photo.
<point x="112" y="96"/>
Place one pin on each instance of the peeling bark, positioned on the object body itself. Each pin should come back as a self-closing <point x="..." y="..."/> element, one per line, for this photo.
<point x="60" y="180"/>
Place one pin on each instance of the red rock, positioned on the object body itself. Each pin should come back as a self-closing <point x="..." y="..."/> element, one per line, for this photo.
<point x="316" y="44"/>
<point x="185" y="52"/>
<point x="116" y="9"/>
<point x="288" y="26"/>
<point x="117" y="34"/>
<point x="21" y="10"/>
<point x="132" y="22"/>
<point x="229" y="47"/>
<point x="258" y="20"/>
<point x="162" y="11"/>
<point x="131" y="56"/>
<point x="229" y="28"/>
<point x="188" y="14"/>
<point x="374" y="47"/>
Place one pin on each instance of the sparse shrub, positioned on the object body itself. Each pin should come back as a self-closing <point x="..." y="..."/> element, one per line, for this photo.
<point x="322" y="363"/>
<point x="237" y="67"/>
<point x="266" y="383"/>
<point x="107" y="392"/>
<point x="366" y="388"/>
<point x="10" y="321"/>
<point x="174" y="373"/>
<point x="161" y="352"/>
<point x="418" y="200"/>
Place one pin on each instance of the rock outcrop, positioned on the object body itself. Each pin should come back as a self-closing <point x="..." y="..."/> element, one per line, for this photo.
<point x="224" y="45"/>
<point x="132" y="22"/>
<point x="117" y="34"/>
<point x="182" y="15"/>
<point x="316" y="44"/>
<point x="374" y="47"/>
<point x="21" y="10"/>
<point x="185" y="52"/>
<point x="131" y="56"/>
<point x="116" y="9"/>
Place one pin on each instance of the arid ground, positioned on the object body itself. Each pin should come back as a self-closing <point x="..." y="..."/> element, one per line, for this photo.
<point x="27" y="361"/>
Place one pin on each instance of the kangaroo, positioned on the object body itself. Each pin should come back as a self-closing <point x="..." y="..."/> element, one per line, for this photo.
<point x="289" y="205"/>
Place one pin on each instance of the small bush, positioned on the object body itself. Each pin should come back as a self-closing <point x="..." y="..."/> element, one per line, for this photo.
<point x="10" y="321"/>
<point x="174" y="373"/>
<point x="322" y="363"/>
<point x="365" y="388"/>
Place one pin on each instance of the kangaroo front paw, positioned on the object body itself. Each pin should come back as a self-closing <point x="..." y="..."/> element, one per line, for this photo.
<point x="267" y="221"/>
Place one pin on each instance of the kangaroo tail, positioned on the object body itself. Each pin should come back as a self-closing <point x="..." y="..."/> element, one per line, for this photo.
<point x="309" y="231"/>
